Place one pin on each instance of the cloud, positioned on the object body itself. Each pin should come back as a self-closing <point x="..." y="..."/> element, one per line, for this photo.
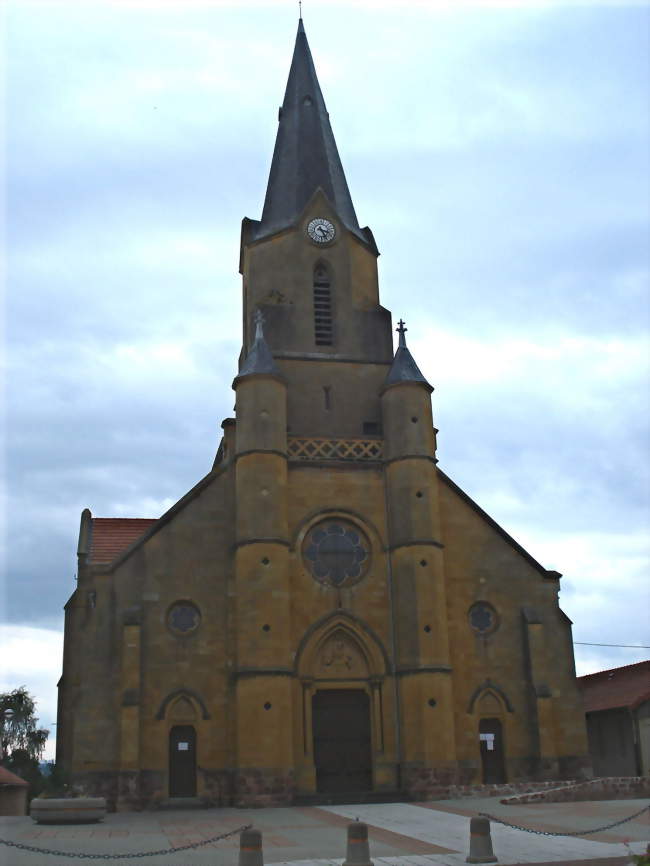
<point x="32" y="657"/>
<point x="500" y="156"/>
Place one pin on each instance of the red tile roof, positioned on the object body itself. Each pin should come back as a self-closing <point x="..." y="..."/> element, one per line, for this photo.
<point x="627" y="686"/>
<point x="8" y="778"/>
<point x="112" y="535"/>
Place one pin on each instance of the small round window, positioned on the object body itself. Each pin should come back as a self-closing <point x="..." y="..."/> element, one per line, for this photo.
<point x="336" y="553"/>
<point x="183" y="617"/>
<point x="483" y="618"/>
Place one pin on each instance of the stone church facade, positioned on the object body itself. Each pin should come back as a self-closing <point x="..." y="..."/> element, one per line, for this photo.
<point x="326" y="612"/>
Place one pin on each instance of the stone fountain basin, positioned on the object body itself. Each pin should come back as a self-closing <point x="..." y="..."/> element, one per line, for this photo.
<point x="68" y="810"/>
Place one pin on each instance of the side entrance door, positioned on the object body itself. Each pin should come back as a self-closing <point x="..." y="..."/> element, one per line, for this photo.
<point x="492" y="757"/>
<point x="342" y="744"/>
<point x="182" y="761"/>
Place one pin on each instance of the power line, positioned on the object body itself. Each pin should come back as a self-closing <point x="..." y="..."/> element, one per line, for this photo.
<point x="620" y="645"/>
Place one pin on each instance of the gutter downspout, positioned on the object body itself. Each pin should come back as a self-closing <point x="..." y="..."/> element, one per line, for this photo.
<point x="634" y="720"/>
<point x="393" y="638"/>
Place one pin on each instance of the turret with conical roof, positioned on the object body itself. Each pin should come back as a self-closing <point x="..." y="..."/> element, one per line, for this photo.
<point x="261" y="399"/>
<point x="261" y="570"/>
<point x="415" y="541"/>
<point x="404" y="368"/>
<point x="259" y="360"/>
<point x="406" y="407"/>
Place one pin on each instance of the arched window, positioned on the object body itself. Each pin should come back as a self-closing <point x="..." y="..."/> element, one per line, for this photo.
<point x="323" y="331"/>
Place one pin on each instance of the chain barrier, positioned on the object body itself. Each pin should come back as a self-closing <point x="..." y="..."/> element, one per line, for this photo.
<point x="81" y="855"/>
<point x="578" y="833"/>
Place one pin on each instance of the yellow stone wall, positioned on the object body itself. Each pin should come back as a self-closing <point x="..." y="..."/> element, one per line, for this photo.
<point x="191" y="557"/>
<point x="482" y="566"/>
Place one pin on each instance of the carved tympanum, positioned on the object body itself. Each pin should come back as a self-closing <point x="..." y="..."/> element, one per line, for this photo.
<point x="340" y="657"/>
<point x="489" y="704"/>
<point x="182" y="710"/>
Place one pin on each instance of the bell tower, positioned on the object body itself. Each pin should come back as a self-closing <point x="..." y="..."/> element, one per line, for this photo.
<point x="324" y="367"/>
<point x="312" y="271"/>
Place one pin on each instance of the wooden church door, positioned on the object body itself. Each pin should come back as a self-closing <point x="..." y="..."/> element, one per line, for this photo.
<point x="182" y="761"/>
<point x="342" y="743"/>
<point x="492" y="757"/>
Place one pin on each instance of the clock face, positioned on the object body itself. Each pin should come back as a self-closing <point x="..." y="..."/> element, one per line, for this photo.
<point x="321" y="231"/>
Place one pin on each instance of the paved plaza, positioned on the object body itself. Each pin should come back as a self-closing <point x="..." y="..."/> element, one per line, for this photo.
<point x="401" y="834"/>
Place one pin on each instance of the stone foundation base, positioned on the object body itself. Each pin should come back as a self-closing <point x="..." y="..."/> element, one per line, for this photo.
<point x="98" y="783"/>
<point x="549" y="769"/>
<point x="267" y="787"/>
<point x="424" y="783"/>
<point x="462" y="779"/>
<point x="612" y="788"/>
<point x="216" y="787"/>
<point x="134" y="790"/>
<point x="575" y="767"/>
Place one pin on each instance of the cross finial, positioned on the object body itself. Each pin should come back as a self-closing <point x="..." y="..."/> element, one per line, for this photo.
<point x="258" y="318"/>
<point x="300" y="10"/>
<point x="401" y="330"/>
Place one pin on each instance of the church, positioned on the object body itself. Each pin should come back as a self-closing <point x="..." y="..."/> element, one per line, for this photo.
<point x="326" y="614"/>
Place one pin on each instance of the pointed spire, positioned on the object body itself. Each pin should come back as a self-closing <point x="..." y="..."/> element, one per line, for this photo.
<point x="305" y="156"/>
<point x="404" y="368"/>
<point x="259" y="359"/>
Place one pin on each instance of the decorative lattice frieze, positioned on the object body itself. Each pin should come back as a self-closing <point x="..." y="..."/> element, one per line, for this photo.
<point x="300" y="448"/>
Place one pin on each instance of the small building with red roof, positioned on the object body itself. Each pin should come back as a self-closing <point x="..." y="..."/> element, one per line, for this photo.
<point x="617" y="705"/>
<point x="13" y="793"/>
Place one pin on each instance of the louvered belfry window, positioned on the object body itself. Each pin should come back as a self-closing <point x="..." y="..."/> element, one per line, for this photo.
<point x="323" y="333"/>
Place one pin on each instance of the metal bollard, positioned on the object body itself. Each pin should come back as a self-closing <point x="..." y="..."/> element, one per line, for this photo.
<point x="250" y="848"/>
<point x="358" y="853"/>
<point x="480" y="842"/>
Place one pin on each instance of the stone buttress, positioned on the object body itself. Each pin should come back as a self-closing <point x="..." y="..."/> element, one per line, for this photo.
<point x="422" y="661"/>
<point x="263" y="651"/>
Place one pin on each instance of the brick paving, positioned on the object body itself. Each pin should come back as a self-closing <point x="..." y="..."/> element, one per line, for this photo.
<point x="401" y="834"/>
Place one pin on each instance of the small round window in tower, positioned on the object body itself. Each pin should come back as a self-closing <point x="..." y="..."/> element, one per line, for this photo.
<point x="483" y="618"/>
<point x="183" y="617"/>
<point x="336" y="553"/>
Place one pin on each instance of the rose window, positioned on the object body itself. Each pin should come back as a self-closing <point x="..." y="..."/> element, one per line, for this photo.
<point x="183" y="617"/>
<point x="336" y="553"/>
<point x="483" y="618"/>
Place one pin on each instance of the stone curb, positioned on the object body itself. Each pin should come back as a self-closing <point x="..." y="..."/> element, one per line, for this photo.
<point x="609" y="788"/>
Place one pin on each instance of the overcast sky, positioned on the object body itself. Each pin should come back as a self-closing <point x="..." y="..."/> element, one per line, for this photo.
<point x="500" y="155"/>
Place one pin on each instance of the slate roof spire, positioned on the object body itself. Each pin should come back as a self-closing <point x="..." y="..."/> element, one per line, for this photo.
<point x="404" y="368"/>
<point x="305" y="155"/>
<point x="259" y="359"/>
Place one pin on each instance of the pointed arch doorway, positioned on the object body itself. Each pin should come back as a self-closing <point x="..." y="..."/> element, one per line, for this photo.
<point x="182" y="761"/>
<point x="342" y="668"/>
<point x="342" y="740"/>
<point x="492" y="757"/>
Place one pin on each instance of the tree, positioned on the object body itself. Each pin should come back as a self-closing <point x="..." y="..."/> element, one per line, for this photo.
<point x="18" y="727"/>
<point x="21" y="741"/>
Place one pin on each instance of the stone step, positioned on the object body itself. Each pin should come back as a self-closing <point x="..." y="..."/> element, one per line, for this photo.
<point x="182" y="803"/>
<point x="344" y="798"/>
